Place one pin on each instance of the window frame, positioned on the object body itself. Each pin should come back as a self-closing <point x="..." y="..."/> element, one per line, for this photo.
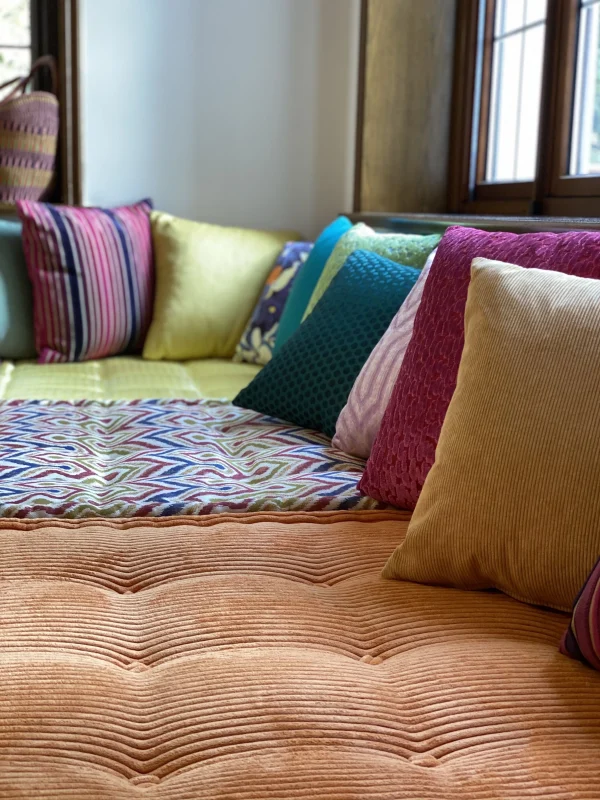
<point x="54" y="31"/>
<point x="553" y="192"/>
<point x="54" y="27"/>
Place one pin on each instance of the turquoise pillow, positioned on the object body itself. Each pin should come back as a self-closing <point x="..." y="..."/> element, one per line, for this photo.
<point x="16" y="299"/>
<point x="307" y="279"/>
<point x="307" y="382"/>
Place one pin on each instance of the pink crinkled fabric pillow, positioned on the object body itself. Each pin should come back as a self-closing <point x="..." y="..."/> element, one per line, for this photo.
<point x="404" y="450"/>
<point x="360" y="419"/>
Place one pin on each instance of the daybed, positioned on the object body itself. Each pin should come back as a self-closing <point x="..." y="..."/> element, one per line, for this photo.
<point x="252" y="655"/>
<point x="263" y="656"/>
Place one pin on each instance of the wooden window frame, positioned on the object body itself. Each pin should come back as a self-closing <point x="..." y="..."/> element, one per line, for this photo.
<point x="54" y="29"/>
<point x="553" y="192"/>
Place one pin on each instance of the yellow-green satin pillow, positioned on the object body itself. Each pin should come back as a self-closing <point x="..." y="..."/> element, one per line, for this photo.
<point x="208" y="279"/>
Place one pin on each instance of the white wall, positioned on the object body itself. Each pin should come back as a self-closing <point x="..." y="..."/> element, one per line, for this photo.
<point x="238" y="112"/>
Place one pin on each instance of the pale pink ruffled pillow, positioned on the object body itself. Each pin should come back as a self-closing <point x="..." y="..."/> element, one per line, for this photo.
<point x="359" y="420"/>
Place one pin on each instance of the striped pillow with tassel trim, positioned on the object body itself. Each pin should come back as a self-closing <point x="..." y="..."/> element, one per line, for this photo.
<point x="582" y="638"/>
<point x="92" y="272"/>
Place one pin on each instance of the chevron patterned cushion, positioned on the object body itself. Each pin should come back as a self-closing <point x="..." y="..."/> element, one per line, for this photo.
<point x="163" y="457"/>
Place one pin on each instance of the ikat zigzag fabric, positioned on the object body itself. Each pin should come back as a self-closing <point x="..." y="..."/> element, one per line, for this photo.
<point x="164" y="457"/>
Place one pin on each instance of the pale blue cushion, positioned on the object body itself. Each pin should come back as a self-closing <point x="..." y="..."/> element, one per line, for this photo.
<point x="16" y="300"/>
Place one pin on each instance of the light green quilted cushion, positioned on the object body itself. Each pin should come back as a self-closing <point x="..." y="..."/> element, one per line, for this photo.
<point x="408" y="249"/>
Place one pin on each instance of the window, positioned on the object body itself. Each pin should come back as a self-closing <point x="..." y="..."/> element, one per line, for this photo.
<point x="31" y="28"/>
<point x="585" y="147"/>
<point x="517" y="54"/>
<point x="526" y="111"/>
<point x="15" y="39"/>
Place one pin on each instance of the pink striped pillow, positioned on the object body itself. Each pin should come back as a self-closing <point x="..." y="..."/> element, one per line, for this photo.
<point x="360" y="419"/>
<point x="93" y="278"/>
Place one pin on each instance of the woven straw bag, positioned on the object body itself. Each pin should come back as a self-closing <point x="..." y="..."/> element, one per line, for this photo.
<point x="28" y="138"/>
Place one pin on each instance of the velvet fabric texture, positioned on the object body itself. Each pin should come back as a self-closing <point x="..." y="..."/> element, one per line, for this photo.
<point x="307" y="280"/>
<point x="582" y="638"/>
<point x="263" y="656"/>
<point x="309" y="379"/>
<point x="258" y="340"/>
<point x="208" y="279"/>
<point x="404" y="449"/>
<point x="360" y="419"/>
<point x="512" y="501"/>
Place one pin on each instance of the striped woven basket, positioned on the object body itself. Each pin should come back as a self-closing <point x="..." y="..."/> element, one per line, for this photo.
<point x="28" y="138"/>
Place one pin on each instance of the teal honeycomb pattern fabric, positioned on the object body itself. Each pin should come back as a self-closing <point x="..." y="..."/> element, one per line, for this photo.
<point x="308" y="380"/>
<point x="403" y="248"/>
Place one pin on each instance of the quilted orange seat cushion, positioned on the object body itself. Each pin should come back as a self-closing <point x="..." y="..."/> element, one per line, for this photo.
<point x="262" y="656"/>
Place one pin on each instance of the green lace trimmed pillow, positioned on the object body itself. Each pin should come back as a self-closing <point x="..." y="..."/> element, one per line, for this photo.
<point x="308" y="380"/>
<point x="411" y="250"/>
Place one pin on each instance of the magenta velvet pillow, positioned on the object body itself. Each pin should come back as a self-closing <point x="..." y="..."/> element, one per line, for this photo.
<point x="582" y="638"/>
<point x="360" y="419"/>
<point x="404" y="449"/>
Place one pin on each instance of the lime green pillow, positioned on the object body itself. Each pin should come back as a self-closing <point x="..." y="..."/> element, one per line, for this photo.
<point x="208" y="279"/>
<point x="408" y="249"/>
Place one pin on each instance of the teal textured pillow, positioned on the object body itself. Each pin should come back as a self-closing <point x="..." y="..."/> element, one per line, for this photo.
<point x="404" y="248"/>
<point x="305" y="283"/>
<point x="16" y="298"/>
<point x="307" y="382"/>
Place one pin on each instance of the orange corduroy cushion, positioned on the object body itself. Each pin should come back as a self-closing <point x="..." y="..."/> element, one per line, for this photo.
<point x="513" y="499"/>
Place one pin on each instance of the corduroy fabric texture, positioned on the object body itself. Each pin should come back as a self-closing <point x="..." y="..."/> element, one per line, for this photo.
<point x="404" y="449"/>
<point x="263" y="656"/>
<point x="208" y="279"/>
<point x="308" y="380"/>
<point x="93" y="279"/>
<point x="409" y="249"/>
<point x="512" y="501"/>
<point x="359" y="420"/>
<point x="582" y="638"/>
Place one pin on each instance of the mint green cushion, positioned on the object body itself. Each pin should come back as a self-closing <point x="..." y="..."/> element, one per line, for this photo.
<point x="16" y="301"/>
<point x="404" y="248"/>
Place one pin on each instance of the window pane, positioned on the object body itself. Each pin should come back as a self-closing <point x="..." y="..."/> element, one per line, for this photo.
<point x="585" y="139"/>
<point x="15" y="22"/>
<point x="517" y="63"/>
<point x="13" y="63"/>
<point x="531" y="94"/>
<point x="510" y="15"/>
<point x="502" y="143"/>
<point x="535" y="11"/>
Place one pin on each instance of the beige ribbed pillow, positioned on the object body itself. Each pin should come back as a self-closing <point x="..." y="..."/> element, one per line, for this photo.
<point x="513" y="499"/>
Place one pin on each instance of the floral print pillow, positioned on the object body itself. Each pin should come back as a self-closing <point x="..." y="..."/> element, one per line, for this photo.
<point x="256" y="344"/>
